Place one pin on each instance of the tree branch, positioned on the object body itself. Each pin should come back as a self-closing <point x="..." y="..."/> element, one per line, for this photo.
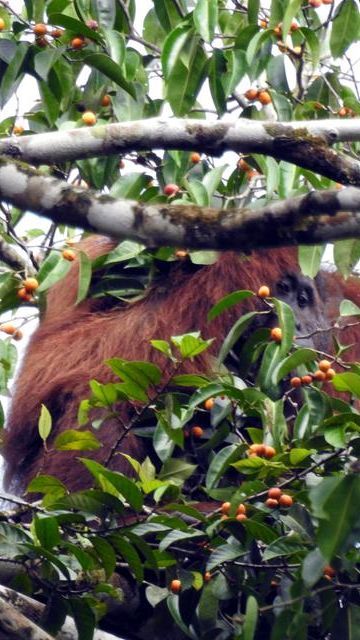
<point x="17" y="613"/>
<point x="10" y="256"/>
<point x="315" y="217"/>
<point x="303" y="143"/>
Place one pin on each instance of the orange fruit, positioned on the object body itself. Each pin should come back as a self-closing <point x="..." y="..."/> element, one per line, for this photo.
<point x="330" y="374"/>
<point x="171" y="189"/>
<point x="181" y="253"/>
<point x="264" y="291"/>
<point x="329" y="571"/>
<point x="209" y="403"/>
<point x="295" y="382"/>
<point x="69" y="255"/>
<point x="175" y="586"/>
<point x="241" y="509"/>
<point x="40" y="29"/>
<point x="271" y="503"/>
<point x="225" y="508"/>
<point x="57" y="33"/>
<point x="243" y="165"/>
<point x="78" y="42"/>
<point x="285" y="500"/>
<point x="106" y="100"/>
<point x="89" y="118"/>
<point x="307" y="379"/>
<point x="275" y="493"/>
<point x="319" y="376"/>
<point x="2" y="24"/>
<point x="269" y="452"/>
<point x="257" y="449"/>
<point x="276" y="334"/>
<point x="30" y="284"/>
<point x="264" y="97"/>
<point x="24" y="295"/>
<point x="8" y="328"/>
<point x="18" y="129"/>
<point x="240" y="517"/>
<point x="324" y="365"/>
<point x="197" y="432"/>
<point x="195" y="157"/>
<point x="251" y="94"/>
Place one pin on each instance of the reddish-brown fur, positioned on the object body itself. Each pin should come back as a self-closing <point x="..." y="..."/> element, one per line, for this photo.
<point x="72" y="343"/>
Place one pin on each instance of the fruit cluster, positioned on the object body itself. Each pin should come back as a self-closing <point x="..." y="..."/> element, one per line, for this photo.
<point x="276" y="498"/>
<point x="27" y="290"/>
<point x="323" y="373"/>
<point x="261" y="451"/>
<point x="248" y="170"/>
<point x="240" y="513"/>
<point x="261" y="95"/>
<point x="11" y="330"/>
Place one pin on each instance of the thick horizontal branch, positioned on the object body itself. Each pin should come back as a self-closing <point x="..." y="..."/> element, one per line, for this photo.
<point x="20" y="614"/>
<point x="10" y="256"/>
<point x="306" y="144"/>
<point x="316" y="217"/>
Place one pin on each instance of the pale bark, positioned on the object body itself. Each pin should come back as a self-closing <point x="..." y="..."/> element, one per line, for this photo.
<point x="313" y="218"/>
<point x="19" y="615"/>
<point x="305" y="143"/>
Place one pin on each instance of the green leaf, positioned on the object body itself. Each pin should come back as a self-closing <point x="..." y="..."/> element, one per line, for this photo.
<point x="104" y="394"/>
<point x="189" y="380"/>
<point x="168" y="13"/>
<point x="85" y="272"/>
<point x="310" y="259"/>
<point x="191" y="344"/>
<point x="12" y="75"/>
<point x="234" y="334"/>
<point x="173" y="47"/>
<point x="197" y="192"/>
<point x="345" y="27"/>
<point x="251" y="617"/>
<point x="84" y="617"/>
<point x="47" y="531"/>
<point x="50" y="102"/>
<point x="292" y="9"/>
<point x="289" y="364"/>
<point x="287" y="323"/>
<point x="53" y="270"/>
<point x="116" y="45"/>
<point x="76" y="26"/>
<point x="205" y="18"/>
<point x="106" y="553"/>
<point x="224" y="553"/>
<point x="179" y="536"/>
<point x="349" y="308"/>
<point x="228" y="301"/>
<point x="73" y="440"/>
<point x="220" y="464"/>
<point x="111" y="70"/>
<point x="45" y="423"/>
<point x="298" y="455"/>
<point x="347" y="382"/>
<point x="163" y="346"/>
<point x="339" y="505"/>
<point x="129" y="554"/>
<point x="174" y="608"/>
<point x="46" y="484"/>
<point x="125" y="486"/>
